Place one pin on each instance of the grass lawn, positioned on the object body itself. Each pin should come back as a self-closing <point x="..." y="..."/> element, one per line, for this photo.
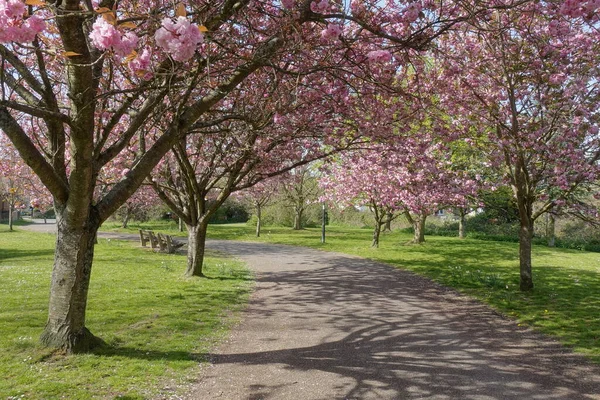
<point x="565" y="302"/>
<point x="158" y="325"/>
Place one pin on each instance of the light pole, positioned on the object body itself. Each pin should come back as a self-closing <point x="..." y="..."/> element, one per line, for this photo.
<point x="323" y="222"/>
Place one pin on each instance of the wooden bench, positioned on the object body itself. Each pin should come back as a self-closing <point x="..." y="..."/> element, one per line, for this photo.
<point x="148" y="236"/>
<point x="159" y="242"/>
<point x="168" y="244"/>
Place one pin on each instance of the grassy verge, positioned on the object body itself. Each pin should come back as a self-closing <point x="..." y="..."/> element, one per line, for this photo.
<point x="565" y="302"/>
<point x="158" y="325"/>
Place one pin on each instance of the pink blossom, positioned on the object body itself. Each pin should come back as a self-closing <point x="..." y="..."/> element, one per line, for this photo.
<point x="104" y="35"/>
<point x="128" y="43"/>
<point x="179" y="39"/>
<point x="332" y="32"/>
<point x="141" y="64"/>
<point x="412" y="12"/>
<point x="319" y="6"/>
<point x="557" y="79"/>
<point x="107" y="37"/>
<point x="12" y="8"/>
<point x="379" y="56"/>
<point x="14" y="26"/>
<point x="35" y="24"/>
<point x="288" y="3"/>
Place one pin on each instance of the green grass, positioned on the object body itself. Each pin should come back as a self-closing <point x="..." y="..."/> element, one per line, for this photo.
<point x="565" y="302"/>
<point x="158" y="325"/>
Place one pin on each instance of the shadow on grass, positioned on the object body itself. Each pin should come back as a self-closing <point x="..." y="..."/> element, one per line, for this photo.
<point x="7" y="254"/>
<point x="108" y="350"/>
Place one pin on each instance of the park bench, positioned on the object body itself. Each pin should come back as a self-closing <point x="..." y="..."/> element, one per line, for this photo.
<point x="167" y="243"/>
<point x="159" y="242"/>
<point x="148" y="236"/>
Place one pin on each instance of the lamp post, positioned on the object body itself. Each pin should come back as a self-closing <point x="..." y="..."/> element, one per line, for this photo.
<point x="323" y="222"/>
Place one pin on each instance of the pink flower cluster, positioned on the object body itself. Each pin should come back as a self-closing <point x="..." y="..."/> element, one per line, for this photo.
<point x="14" y="27"/>
<point x="179" y="39"/>
<point x="579" y="8"/>
<point x="288" y="3"/>
<point x="332" y="32"/>
<point x="319" y="6"/>
<point x="379" y="56"/>
<point x="412" y="12"/>
<point x="141" y="64"/>
<point x="106" y="36"/>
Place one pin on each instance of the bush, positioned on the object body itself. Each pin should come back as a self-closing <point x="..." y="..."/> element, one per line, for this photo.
<point x="483" y="226"/>
<point x="231" y="211"/>
<point x="441" y="228"/>
<point x="350" y="217"/>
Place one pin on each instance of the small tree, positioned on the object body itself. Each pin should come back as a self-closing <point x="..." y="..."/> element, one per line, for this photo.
<point x="299" y="189"/>
<point x="259" y="196"/>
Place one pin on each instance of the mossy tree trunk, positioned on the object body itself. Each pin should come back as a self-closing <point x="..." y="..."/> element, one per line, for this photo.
<point x="65" y="328"/>
<point x="196" y="248"/>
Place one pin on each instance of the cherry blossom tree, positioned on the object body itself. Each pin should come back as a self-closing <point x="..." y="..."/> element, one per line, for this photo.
<point x="259" y="196"/>
<point x="202" y="171"/>
<point x="412" y="179"/>
<point x="81" y="79"/>
<point x="18" y="184"/>
<point x="299" y="190"/>
<point x="138" y="204"/>
<point x="528" y="79"/>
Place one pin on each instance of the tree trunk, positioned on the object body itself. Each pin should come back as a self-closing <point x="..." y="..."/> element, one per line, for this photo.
<point x="10" y="217"/>
<point x="298" y="219"/>
<point x="65" y="328"/>
<point x="419" y="227"/>
<point x="461" y="226"/>
<point x="551" y="230"/>
<point x="525" y="206"/>
<point x="388" y="222"/>
<point x="196" y="248"/>
<point x="376" y="234"/>
<point x="525" y="237"/>
<point x="258" y="220"/>
<point x="126" y="219"/>
<point x="180" y="225"/>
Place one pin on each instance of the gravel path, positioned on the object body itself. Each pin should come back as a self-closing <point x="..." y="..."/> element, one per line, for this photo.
<point x="324" y="326"/>
<point x="330" y="326"/>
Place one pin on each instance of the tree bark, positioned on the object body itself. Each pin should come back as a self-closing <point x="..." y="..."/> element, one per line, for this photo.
<point x="258" y="220"/>
<point x="551" y="230"/>
<point x="126" y="219"/>
<point x="376" y="234"/>
<point x="419" y="227"/>
<point x="388" y="222"/>
<point x="461" y="226"/>
<point x="298" y="219"/>
<point x="10" y="217"/>
<point x="525" y="238"/>
<point x="196" y="248"/>
<point x="65" y="328"/>
<point x="525" y="205"/>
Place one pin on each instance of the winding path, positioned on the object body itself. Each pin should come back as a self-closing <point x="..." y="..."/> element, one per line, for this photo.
<point x="331" y="326"/>
<point x="324" y="326"/>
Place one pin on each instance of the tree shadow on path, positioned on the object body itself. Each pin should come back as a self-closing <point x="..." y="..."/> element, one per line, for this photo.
<point x="328" y="326"/>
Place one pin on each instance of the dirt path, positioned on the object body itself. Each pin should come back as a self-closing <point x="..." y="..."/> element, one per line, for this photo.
<point x="329" y="326"/>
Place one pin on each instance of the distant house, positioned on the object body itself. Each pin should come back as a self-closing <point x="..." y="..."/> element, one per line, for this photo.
<point x="5" y="211"/>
